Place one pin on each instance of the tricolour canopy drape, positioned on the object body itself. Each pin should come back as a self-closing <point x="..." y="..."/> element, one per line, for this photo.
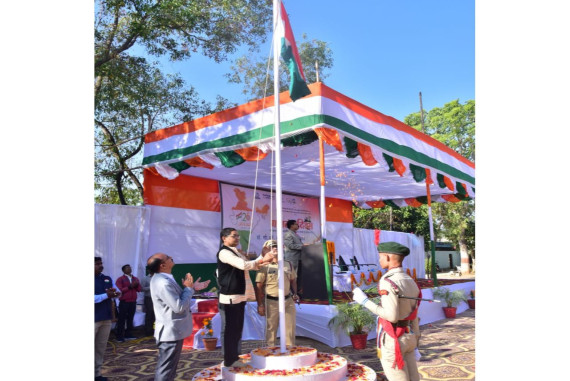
<point x="371" y="159"/>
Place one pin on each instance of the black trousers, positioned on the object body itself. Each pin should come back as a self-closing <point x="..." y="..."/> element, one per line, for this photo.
<point x="300" y="278"/>
<point x="232" y="326"/>
<point x="148" y="316"/>
<point x="126" y="315"/>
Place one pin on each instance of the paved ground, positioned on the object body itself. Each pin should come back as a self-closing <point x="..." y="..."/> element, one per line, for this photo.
<point x="447" y="347"/>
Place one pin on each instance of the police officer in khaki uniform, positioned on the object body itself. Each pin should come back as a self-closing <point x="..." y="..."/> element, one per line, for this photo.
<point x="398" y="325"/>
<point x="267" y="293"/>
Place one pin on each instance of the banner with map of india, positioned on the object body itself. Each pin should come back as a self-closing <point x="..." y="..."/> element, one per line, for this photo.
<point x="240" y="207"/>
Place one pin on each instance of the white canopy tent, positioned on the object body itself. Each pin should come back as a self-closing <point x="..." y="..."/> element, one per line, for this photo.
<point x="370" y="159"/>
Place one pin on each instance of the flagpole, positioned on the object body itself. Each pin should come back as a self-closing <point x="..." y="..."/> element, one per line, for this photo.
<point x="324" y="219"/>
<point x="278" y="187"/>
<point x="430" y="218"/>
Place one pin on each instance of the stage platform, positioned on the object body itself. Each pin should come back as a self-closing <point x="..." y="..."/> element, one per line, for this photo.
<point x="312" y="319"/>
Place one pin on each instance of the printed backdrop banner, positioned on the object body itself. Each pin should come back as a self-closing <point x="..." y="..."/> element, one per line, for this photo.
<point x="239" y="207"/>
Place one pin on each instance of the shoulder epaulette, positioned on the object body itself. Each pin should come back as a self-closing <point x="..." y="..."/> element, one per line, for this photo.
<point x="394" y="286"/>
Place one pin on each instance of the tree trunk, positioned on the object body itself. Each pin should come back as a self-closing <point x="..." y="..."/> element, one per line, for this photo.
<point x="118" y="179"/>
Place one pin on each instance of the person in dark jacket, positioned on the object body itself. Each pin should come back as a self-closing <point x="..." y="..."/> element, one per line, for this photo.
<point x="104" y="292"/>
<point x="235" y="283"/>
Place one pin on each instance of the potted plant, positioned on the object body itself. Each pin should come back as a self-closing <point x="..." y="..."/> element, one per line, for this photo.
<point x="209" y="340"/>
<point x="355" y="320"/>
<point x="471" y="300"/>
<point x="451" y="299"/>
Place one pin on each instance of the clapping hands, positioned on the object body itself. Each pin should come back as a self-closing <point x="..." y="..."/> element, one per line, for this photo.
<point x="112" y="292"/>
<point x="201" y="285"/>
<point x="197" y="286"/>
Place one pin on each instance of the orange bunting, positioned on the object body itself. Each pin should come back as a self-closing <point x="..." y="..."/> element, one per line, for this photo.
<point x="198" y="162"/>
<point x="399" y="166"/>
<point x="329" y="136"/>
<point x="366" y="154"/>
<point x="376" y="204"/>
<point x="251" y="153"/>
<point x="450" y="198"/>
<point x="408" y="272"/>
<point x="448" y="183"/>
<point x="413" y="202"/>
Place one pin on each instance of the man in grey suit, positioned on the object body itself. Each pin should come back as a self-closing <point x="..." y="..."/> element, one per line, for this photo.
<point x="172" y="313"/>
<point x="292" y="250"/>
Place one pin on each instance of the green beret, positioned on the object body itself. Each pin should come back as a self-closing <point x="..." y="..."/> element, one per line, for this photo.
<point x="393" y="248"/>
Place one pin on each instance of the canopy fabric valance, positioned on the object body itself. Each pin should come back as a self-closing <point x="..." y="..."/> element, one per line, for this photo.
<point x="371" y="159"/>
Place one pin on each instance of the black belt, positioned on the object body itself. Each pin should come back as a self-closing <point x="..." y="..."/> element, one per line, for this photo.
<point x="401" y="323"/>
<point x="276" y="298"/>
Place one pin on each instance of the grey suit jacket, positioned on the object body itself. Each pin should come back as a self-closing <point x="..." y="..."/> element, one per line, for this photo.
<point x="293" y="246"/>
<point x="171" y="308"/>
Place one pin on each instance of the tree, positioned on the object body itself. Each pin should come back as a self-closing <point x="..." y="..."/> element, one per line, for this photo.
<point x="178" y="28"/>
<point x="256" y="73"/>
<point x="454" y="125"/>
<point x="407" y="220"/>
<point x="133" y="97"/>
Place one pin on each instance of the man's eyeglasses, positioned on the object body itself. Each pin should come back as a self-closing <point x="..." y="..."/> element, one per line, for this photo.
<point x="234" y="235"/>
<point x="167" y="258"/>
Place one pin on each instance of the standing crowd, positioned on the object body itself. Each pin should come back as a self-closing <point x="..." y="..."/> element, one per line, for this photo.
<point x="167" y="303"/>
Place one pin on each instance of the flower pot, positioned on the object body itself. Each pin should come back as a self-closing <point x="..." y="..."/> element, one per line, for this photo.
<point x="210" y="343"/>
<point x="471" y="303"/>
<point x="359" y="340"/>
<point x="449" y="312"/>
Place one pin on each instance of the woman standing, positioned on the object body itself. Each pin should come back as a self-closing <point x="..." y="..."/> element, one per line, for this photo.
<point x="233" y="270"/>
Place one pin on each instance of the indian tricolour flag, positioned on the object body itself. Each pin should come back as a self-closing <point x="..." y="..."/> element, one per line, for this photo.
<point x="297" y="86"/>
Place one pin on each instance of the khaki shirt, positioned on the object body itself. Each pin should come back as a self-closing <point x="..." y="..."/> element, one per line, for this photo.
<point x="391" y="307"/>
<point x="269" y="275"/>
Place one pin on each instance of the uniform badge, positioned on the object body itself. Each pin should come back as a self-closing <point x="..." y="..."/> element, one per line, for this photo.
<point x="383" y="292"/>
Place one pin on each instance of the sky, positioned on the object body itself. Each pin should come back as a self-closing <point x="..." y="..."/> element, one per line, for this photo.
<point x="385" y="52"/>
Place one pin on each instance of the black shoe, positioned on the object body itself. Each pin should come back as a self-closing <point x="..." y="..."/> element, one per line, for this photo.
<point x="129" y="337"/>
<point x="100" y="378"/>
<point x="120" y="339"/>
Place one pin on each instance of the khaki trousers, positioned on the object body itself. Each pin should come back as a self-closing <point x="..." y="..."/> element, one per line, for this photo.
<point x="102" y="330"/>
<point x="272" y="319"/>
<point x="408" y="343"/>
